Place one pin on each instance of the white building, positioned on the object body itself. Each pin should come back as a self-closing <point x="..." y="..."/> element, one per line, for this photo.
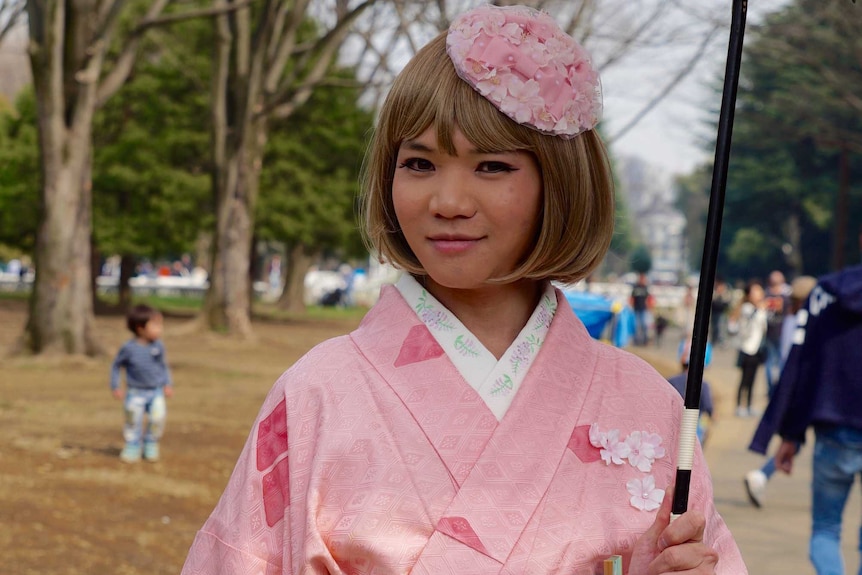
<point x="658" y="224"/>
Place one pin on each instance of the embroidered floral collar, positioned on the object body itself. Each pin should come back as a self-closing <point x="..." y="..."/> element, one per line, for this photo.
<point x="496" y="381"/>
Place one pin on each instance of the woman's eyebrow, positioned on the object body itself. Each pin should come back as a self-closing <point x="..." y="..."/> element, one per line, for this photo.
<point x="416" y="146"/>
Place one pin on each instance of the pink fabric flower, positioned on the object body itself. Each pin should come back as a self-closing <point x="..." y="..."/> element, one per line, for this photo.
<point x="492" y="87"/>
<point x="523" y="63"/>
<point x="644" y="449"/>
<point x="645" y="495"/>
<point x="523" y="99"/>
<point x="612" y="449"/>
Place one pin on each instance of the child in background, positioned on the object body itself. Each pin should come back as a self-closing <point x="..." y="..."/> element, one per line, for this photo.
<point x="471" y="425"/>
<point x="148" y="382"/>
<point x="679" y="381"/>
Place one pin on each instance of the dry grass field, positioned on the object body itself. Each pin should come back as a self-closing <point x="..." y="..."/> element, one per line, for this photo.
<point x="68" y="506"/>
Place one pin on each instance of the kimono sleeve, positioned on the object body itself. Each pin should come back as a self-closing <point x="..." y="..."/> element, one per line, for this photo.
<point x="248" y="532"/>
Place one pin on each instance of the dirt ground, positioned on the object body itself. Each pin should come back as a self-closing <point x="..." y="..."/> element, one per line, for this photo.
<point x="68" y="505"/>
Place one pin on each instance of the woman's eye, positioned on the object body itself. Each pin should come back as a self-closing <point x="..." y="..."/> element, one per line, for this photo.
<point x="495" y="167"/>
<point x="417" y="165"/>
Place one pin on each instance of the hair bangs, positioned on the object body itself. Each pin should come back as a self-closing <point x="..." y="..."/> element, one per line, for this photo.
<point x="446" y="104"/>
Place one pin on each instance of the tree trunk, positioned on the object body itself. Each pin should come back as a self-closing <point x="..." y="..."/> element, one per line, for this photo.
<point x="124" y="288"/>
<point x="227" y="306"/>
<point x="842" y="209"/>
<point x="203" y="251"/>
<point x="238" y="141"/>
<point x="254" y="265"/>
<point x="297" y="264"/>
<point x="95" y="272"/>
<point x="61" y="302"/>
<point x="793" y="232"/>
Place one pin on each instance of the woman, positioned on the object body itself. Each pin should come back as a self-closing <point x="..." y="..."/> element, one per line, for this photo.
<point x="471" y="425"/>
<point x="752" y="329"/>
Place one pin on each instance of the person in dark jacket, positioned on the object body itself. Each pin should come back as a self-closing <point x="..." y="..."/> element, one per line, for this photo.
<point x="756" y="480"/>
<point x="821" y="387"/>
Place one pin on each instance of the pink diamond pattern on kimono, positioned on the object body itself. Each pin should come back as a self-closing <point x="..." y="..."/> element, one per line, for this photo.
<point x="460" y="529"/>
<point x="580" y="445"/>
<point x="276" y="491"/>
<point x="272" y="437"/>
<point x="419" y="345"/>
<point x="445" y="555"/>
<point x="369" y="494"/>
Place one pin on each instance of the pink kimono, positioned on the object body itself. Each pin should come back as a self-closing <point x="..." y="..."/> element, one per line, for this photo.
<point x="373" y="455"/>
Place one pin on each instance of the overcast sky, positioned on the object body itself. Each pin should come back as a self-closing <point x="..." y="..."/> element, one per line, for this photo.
<point x="673" y="135"/>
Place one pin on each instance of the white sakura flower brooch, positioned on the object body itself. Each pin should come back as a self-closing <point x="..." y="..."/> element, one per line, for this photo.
<point x="640" y="449"/>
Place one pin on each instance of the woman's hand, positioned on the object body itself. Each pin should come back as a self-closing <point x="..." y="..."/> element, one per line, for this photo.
<point x="673" y="547"/>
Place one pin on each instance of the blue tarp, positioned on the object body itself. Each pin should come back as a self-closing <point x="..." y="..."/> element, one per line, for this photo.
<point x="600" y="314"/>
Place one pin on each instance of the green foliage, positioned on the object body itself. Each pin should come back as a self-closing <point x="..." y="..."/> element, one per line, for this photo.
<point x="151" y="184"/>
<point x="19" y="174"/>
<point x="748" y="244"/>
<point x="798" y="105"/>
<point x="692" y="199"/>
<point x="309" y="181"/>
<point x="151" y="171"/>
<point x="640" y="260"/>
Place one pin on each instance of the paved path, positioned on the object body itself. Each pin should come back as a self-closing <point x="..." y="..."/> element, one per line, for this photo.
<point x="773" y="539"/>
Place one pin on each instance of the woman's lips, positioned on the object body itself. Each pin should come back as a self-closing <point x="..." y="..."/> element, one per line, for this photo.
<point x="453" y="245"/>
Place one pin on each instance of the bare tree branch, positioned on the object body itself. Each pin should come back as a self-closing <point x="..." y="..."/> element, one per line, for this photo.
<point x="625" y="45"/>
<point x="289" y="97"/>
<point x="683" y="72"/>
<point x="148" y="22"/>
<point x="108" y="12"/>
<point x="285" y="46"/>
<point x="10" y="16"/>
<point x="577" y="18"/>
<point x="126" y="60"/>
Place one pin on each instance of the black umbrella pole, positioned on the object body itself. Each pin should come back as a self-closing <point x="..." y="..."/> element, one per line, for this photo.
<point x="691" y="412"/>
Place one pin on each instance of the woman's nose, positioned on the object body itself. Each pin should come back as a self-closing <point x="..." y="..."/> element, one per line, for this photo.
<point x="453" y="198"/>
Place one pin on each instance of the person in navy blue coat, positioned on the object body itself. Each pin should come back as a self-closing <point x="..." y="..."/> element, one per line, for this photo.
<point x="821" y="387"/>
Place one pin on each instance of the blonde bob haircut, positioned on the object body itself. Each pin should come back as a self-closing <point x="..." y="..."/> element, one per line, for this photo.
<point x="576" y="218"/>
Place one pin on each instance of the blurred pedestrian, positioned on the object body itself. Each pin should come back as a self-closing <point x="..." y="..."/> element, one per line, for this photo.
<point x="148" y="383"/>
<point x="821" y="387"/>
<point x="777" y="303"/>
<point x="640" y="300"/>
<point x="661" y="323"/>
<point x="751" y="318"/>
<point x="685" y="310"/>
<point x="274" y="275"/>
<point x="722" y="299"/>
<point x="755" y="480"/>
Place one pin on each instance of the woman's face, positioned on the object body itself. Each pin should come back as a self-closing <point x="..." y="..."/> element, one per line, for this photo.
<point x="755" y="294"/>
<point x="468" y="217"/>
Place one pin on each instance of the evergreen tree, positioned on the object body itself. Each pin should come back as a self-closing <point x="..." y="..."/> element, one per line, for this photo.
<point x="151" y="183"/>
<point x="798" y="136"/>
<point x="19" y="174"/>
<point x="309" y="182"/>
